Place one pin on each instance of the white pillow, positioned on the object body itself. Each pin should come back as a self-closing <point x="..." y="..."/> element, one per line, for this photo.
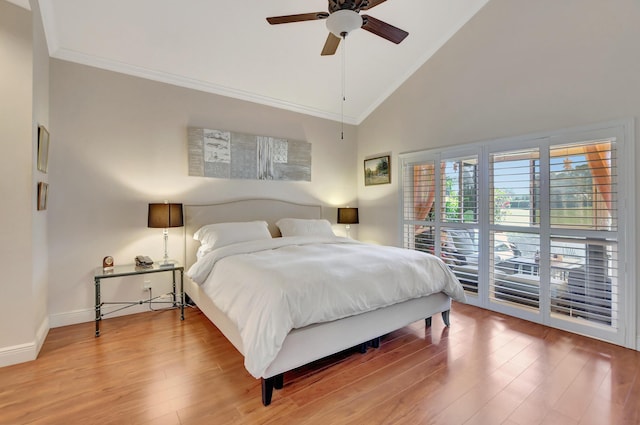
<point x="304" y="227"/>
<point x="214" y="236"/>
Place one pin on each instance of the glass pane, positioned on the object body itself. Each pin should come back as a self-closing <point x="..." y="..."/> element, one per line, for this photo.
<point x="420" y="238"/>
<point x="460" y="190"/>
<point x="459" y="249"/>
<point x="582" y="185"/>
<point x="515" y="188"/>
<point x="419" y="191"/>
<point x="584" y="279"/>
<point x="515" y="266"/>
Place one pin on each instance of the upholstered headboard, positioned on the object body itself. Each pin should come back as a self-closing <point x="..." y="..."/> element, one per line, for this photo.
<point x="269" y="210"/>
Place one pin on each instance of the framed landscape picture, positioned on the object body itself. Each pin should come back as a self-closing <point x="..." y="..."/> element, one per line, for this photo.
<point x="377" y="170"/>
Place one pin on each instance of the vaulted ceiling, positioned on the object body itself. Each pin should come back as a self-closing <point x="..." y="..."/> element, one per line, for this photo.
<point x="227" y="47"/>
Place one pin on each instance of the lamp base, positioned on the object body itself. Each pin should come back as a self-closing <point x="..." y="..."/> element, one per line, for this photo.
<point x="166" y="262"/>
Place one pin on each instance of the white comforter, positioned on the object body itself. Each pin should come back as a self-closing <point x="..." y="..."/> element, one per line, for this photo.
<point x="269" y="287"/>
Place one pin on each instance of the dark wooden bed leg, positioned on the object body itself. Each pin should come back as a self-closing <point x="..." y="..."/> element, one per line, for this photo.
<point x="267" y="389"/>
<point x="375" y="342"/>
<point x="445" y="318"/>
<point x="427" y="322"/>
<point x="363" y="347"/>
<point x="279" y="381"/>
<point x="268" y="384"/>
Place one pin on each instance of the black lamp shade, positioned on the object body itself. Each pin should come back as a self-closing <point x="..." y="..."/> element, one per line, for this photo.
<point x="347" y="216"/>
<point x="165" y="215"/>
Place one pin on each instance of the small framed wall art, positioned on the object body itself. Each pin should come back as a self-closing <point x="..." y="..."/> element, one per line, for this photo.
<point x="377" y="170"/>
<point x="43" y="189"/>
<point x="43" y="148"/>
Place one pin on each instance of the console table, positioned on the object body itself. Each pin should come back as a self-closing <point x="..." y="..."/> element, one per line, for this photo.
<point x="133" y="270"/>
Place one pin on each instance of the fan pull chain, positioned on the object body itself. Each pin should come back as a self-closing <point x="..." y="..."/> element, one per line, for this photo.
<point x="344" y="71"/>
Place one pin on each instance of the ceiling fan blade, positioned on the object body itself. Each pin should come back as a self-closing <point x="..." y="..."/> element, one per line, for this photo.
<point x="384" y="30"/>
<point x="274" y="20"/>
<point x="331" y="45"/>
<point x="372" y="4"/>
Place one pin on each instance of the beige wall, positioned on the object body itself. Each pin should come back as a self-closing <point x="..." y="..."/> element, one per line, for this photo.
<point x="17" y="319"/>
<point x="120" y="142"/>
<point x="40" y="116"/>
<point x="517" y="67"/>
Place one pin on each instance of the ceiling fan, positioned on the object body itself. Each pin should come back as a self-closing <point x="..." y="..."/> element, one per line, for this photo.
<point x="342" y="18"/>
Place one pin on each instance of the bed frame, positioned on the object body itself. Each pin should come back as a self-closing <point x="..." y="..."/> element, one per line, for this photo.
<point x="313" y="342"/>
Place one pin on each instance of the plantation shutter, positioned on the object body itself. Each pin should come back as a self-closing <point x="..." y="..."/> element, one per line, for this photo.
<point x="514" y="214"/>
<point x="419" y="194"/>
<point x="583" y="199"/>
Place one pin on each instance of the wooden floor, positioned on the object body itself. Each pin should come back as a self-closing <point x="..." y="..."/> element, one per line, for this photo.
<point x="150" y="368"/>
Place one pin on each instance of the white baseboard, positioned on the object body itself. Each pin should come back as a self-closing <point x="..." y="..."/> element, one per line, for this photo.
<point x="89" y="315"/>
<point x="72" y="317"/>
<point x="27" y="352"/>
<point x="41" y="334"/>
<point x="17" y="354"/>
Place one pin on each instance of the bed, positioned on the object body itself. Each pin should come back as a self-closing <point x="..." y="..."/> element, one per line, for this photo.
<point x="305" y="344"/>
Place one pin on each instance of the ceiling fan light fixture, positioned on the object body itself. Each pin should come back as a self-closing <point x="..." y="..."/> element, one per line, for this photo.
<point x="343" y="22"/>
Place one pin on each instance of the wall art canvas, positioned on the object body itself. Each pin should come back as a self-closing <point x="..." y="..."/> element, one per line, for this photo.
<point x="230" y="155"/>
<point x="43" y="148"/>
<point x="43" y="193"/>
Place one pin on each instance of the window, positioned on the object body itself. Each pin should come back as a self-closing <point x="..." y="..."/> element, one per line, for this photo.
<point x="515" y="188"/>
<point x="546" y="243"/>
<point x="450" y="230"/>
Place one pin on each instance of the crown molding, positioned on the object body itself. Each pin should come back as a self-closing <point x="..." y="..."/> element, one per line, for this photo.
<point x="21" y="3"/>
<point x="190" y="83"/>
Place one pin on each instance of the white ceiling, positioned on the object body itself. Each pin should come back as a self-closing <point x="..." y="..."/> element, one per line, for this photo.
<point x="228" y="48"/>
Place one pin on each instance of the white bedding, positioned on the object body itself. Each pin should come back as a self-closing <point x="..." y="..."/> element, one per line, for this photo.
<point x="269" y="287"/>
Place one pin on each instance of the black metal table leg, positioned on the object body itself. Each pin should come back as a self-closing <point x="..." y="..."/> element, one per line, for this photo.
<point x="98" y="312"/>
<point x="181" y="294"/>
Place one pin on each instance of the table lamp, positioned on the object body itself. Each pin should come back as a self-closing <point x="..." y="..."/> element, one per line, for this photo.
<point x="348" y="216"/>
<point x="163" y="216"/>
